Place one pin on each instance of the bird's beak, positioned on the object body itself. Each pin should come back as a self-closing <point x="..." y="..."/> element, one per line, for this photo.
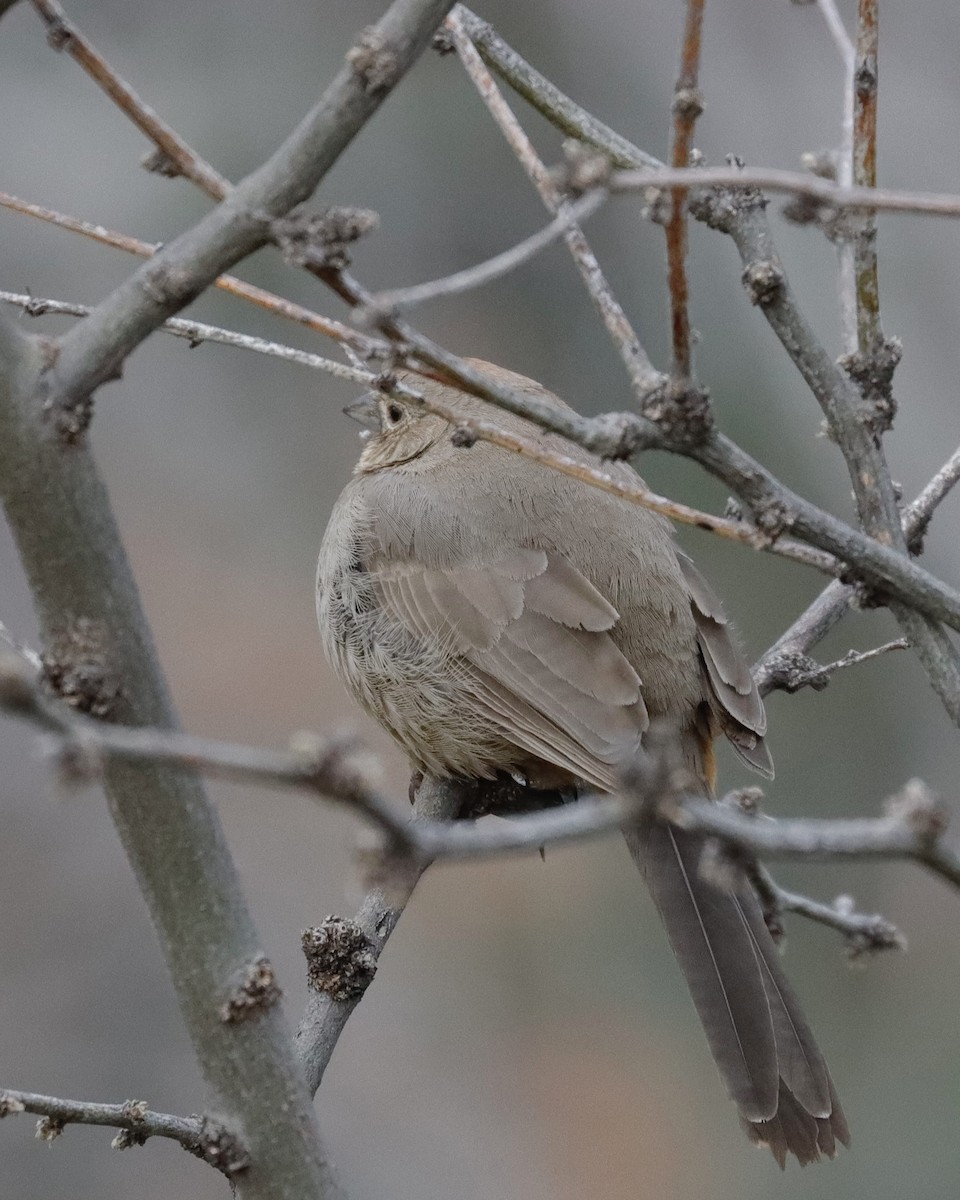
<point x="365" y="411"/>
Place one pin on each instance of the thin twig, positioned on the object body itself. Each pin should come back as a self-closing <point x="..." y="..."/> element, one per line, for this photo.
<point x="644" y="378"/>
<point x="397" y="299"/>
<point x="133" y="1117"/>
<point x="687" y="106"/>
<point x="916" y="518"/>
<point x="336" y="330"/>
<point x="831" y="195"/>
<point x="198" y="332"/>
<point x="26" y="652"/>
<point x="864" y="933"/>
<point x="864" y="90"/>
<point x="64" y="35"/>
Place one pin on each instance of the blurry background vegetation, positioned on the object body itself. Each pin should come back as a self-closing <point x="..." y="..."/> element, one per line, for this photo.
<point x="528" y="1034"/>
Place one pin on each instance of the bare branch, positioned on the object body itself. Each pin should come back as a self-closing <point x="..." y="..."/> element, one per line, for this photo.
<point x="202" y="1136"/>
<point x="864" y="88"/>
<point x="336" y="330"/>
<point x="330" y="1006"/>
<point x="916" y="519"/>
<point x="196" y="333"/>
<point x="813" y="625"/>
<point x="791" y="671"/>
<point x="687" y="106"/>
<point x="62" y="34"/>
<point x="864" y="933"/>
<point x="644" y="378"/>
<point x="493" y="268"/>
<point x="547" y="98"/>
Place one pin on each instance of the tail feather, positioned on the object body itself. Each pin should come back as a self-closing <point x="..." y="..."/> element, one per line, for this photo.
<point x="763" y="1047"/>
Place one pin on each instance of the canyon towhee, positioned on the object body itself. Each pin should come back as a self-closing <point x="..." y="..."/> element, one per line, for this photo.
<point x="499" y="617"/>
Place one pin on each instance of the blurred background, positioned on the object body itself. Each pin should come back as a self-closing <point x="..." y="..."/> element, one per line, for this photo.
<point x="528" y="1033"/>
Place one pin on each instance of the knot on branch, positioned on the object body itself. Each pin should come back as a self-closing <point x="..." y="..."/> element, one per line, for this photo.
<point x="76" y="667"/>
<point x="442" y="42"/>
<point x="764" y="281"/>
<point x="221" y="1148"/>
<point x="70" y="414"/>
<point x="374" y="61"/>
<point x="10" y="1105"/>
<point x="49" y="1129"/>
<point x="872" y="371"/>
<point x="791" y="670"/>
<point x="681" y="412"/>
<point x="59" y="32"/>
<point x="868" y="934"/>
<point x="722" y="208"/>
<point x="159" y="162"/>
<point x="687" y="103"/>
<point x="322" y="239"/>
<point x="921" y="810"/>
<point x="256" y="991"/>
<point x="614" y="436"/>
<point x="340" y="958"/>
<point x="583" y="169"/>
<point x="134" y="1111"/>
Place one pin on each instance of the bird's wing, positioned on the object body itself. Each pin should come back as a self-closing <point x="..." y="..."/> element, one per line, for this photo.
<point x="530" y="634"/>
<point x="736" y="701"/>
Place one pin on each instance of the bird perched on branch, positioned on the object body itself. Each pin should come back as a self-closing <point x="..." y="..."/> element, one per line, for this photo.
<point x="496" y="616"/>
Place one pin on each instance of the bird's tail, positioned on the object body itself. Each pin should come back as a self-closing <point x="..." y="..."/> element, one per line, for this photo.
<point x="762" y="1045"/>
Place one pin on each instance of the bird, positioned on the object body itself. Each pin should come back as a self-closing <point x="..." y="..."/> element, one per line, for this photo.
<point x="497" y="618"/>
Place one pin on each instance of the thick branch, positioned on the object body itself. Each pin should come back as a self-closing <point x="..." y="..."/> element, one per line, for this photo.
<point x="99" y="649"/>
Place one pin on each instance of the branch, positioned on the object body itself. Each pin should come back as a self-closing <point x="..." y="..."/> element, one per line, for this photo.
<point x="687" y="106"/>
<point x="496" y="267"/>
<point x="98" y="652"/>
<point x="813" y="625"/>
<point x="365" y="346"/>
<point x="864" y="933"/>
<point x="342" y="955"/>
<point x="62" y="34"/>
<point x="644" y="378"/>
<point x="202" y="1136"/>
<point x="93" y="351"/>
<point x="198" y="332"/>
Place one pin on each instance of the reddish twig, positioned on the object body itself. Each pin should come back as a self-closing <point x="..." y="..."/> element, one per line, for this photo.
<point x="687" y="106"/>
<point x="869" y="332"/>
<point x="179" y="159"/>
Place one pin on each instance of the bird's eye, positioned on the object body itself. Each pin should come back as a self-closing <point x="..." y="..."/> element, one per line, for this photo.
<point x="394" y="413"/>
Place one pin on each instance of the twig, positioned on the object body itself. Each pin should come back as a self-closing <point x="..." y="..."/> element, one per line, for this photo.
<point x="546" y="97"/>
<point x="644" y="378"/>
<point x="64" y="35"/>
<point x="864" y="89"/>
<point x="398" y="299"/>
<point x="813" y="625"/>
<point x="136" y="1122"/>
<point x="792" y="671"/>
<point x="198" y="332"/>
<point x="687" y="106"/>
<point x="864" y="933"/>
<point x="27" y="653"/>
<point x="336" y="330"/>
<point x="829" y="194"/>
<point x="916" y="518"/>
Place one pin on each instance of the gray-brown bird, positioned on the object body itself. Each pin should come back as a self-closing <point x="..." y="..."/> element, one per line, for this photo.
<point x="495" y="617"/>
